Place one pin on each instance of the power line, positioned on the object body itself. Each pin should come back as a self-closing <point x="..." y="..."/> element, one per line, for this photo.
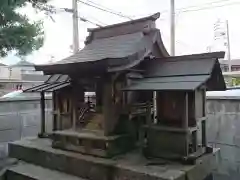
<point x="79" y="17"/>
<point x="210" y="7"/>
<point x="97" y="20"/>
<point x="97" y="4"/>
<point x="105" y="10"/>
<point x="89" y="21"/>
<point x="197" y="6"/>
<point x="188" y="8"/>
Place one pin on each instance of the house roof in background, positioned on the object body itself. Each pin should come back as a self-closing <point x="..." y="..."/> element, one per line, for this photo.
<point x="234" y="62"/>
<point x="23" y="63"/>
<point x="34" y="77"/>
<point x="1" y="64"/>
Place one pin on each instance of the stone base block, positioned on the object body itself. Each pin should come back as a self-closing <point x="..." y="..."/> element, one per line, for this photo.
<point x="92" y="143"/>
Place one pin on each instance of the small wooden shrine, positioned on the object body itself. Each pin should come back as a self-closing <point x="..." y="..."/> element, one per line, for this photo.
<point x="122" y="65"/>
<point x="179" y="130"/>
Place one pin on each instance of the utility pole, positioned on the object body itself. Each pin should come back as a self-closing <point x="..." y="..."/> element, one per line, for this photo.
<point x="75" y="26"/>
<point x="75" y="45"/>
<point x="228" y="46"/>
<point x="172" y="18"/>
<point x="172" y="51"/>
<point x="209" y="49"/>
<point x="221" y="29"/>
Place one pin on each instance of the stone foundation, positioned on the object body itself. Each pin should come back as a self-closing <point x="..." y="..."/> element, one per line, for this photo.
<point x="131" y="166"/>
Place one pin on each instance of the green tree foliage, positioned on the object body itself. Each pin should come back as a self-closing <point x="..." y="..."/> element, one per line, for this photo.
<point x="235" y="82"/>
<point x="17" y="32"/>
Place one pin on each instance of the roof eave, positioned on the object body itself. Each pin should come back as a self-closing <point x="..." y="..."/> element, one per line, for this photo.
<point x="211" y="55"/>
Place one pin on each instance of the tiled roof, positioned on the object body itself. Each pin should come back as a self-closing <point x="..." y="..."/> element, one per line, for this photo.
<point x="169" y="83"/>
<point x="182" y="73"/>
<point x="114" y="47"/>
<point x="53" y="82"/>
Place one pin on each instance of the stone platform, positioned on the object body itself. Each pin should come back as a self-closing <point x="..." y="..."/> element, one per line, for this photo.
<point x="131" y="166"/>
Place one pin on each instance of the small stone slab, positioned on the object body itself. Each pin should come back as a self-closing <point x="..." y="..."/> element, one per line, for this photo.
<point x="86" y="135"/>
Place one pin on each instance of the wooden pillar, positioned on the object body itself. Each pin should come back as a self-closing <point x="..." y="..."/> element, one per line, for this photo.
<point x="160" y="101"/>
<point x="155" y="106"/>
<point x="78" y="96"/>
<point x="58" y="115"/>
<point x="54" y="111"/>
<point x="42" y="134"/>
<point x="99" y="94"/>
<point x="185" y="120"/>
<point x="149" y="114"/>
<point x="107" y="108"/>
<point x="185" y="123"/>
<point x="74" y="115"/>
<point x="204" y="136"/>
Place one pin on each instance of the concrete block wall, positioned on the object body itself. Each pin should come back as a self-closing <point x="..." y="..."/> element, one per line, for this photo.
<point x="20" y="118"/>
<point x="223" y="131"/>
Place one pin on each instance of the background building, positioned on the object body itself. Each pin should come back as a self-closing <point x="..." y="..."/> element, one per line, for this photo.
<point x="235" y="65"/>
<point x="19" y="76"/>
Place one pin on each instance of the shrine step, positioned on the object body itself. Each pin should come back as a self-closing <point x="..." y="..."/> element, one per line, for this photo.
<point x="25" y="171"/>
<point x="40" y="152"/>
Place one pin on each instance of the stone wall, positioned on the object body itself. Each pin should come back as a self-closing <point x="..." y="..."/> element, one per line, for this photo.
<point x="21" y="118"/>
<point x="223" y="131"/>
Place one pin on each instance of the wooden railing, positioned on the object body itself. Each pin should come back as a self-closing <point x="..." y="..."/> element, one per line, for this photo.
<point x="138" y="109"/>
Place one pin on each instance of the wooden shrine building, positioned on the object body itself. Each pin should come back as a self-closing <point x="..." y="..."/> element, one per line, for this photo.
<point x="123" y="64"/>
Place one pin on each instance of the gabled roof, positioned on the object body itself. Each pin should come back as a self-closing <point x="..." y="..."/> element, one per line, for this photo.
<point x="120" y="45"/>
<point x="183" y="73"/>
<point x="53" y="83"/>
<point x="129" y="27"/>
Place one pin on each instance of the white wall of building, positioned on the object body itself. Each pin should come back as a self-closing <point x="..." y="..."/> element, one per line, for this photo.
<point x="9" y="73"/>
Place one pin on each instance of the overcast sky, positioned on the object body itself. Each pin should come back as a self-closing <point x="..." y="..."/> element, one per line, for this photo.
<point x="194" y="28"/>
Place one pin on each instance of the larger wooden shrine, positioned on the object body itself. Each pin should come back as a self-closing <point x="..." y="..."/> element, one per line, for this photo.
<point x="123" y="65"/>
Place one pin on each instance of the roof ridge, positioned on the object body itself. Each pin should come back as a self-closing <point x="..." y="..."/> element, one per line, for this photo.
<point x="127" y="34"/>
<point x="153" y="17"/>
